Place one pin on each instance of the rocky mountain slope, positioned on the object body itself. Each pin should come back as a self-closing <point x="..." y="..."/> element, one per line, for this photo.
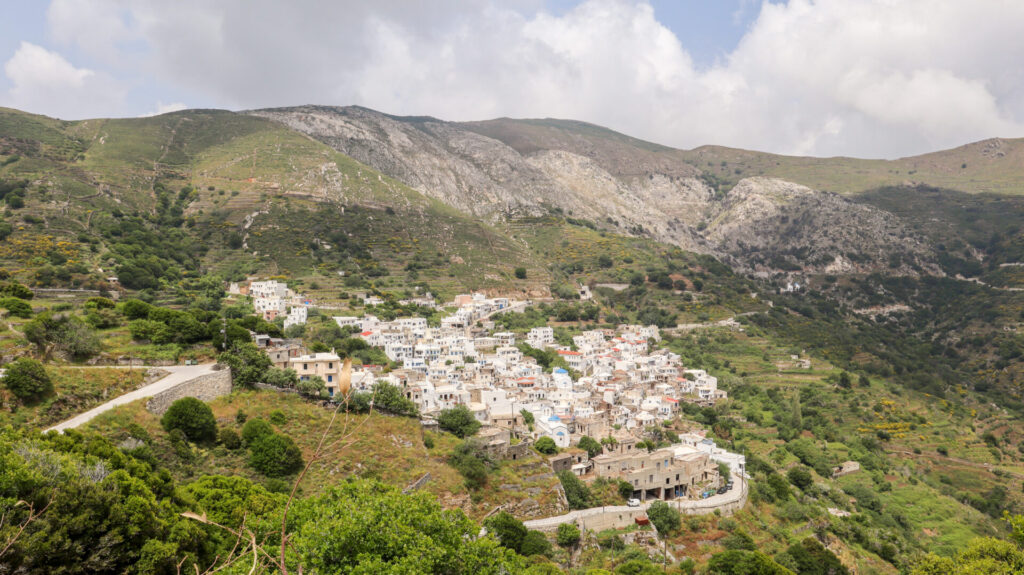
<point x="504" y="168"/>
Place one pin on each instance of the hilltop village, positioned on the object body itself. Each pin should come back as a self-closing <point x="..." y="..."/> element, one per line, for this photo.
<point x="611" y="385"/>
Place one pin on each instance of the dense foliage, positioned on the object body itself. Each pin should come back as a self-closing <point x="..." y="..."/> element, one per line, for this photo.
<point x="458" y="421"/>
<point x="193" y="418"/>
<point x="27" y="379"/>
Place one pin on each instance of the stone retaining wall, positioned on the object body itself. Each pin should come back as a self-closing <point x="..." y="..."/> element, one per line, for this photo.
<point x="618" y="517"/>
<point x="205" y="387"/>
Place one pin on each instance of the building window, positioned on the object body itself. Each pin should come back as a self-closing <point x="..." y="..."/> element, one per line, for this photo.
<point x="305" y="366"/>
<point x="330" y="378"/>
<point x="330" y="365"/>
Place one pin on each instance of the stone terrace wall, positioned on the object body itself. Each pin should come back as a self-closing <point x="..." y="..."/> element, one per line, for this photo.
<point x="205" y="387"/>
<point x="618" y="517"/>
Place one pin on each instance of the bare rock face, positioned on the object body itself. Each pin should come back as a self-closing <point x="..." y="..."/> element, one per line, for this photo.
<point x="781" y="225"/>
<point x="507" y="168"/>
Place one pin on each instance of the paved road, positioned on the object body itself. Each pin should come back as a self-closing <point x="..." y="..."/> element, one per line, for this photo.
<point x="177" y="374"/>
<point x="685" y="506"/>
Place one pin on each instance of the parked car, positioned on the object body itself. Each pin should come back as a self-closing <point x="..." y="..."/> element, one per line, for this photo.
<point x="722" y="490"/>
<point x="633" y="502"/>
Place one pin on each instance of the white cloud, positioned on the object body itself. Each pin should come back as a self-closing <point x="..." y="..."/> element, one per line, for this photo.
<point x="44" y="81"/>
<point x="869" y="78"/>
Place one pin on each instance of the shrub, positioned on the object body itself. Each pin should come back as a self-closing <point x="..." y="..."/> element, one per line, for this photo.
<point x="311" y="387"/>
<point x="275" y="455"/>
<point x="568" y="534"/>
<point x="240" y="417"/>
<point x="625" y="489"/>
<point x="27" y="380"/>
<point x="800" y="476"/>
<point x="535" y="543"/>
<point x="590" y="445"/>
<point x="248" y="364"/>
<point x="664" y="517"/>
<point x="16" y="307"/>
<point x="390" y="398"/>
<point x="62" y="332"/>
<point x="459" y="421"/>
<point x="471" y="462"/>
<point x="281" y="377"/>
<point x="278" y="418"/>
<point x="193" y="418"/>
<point x="576" y="492"/>
<point x="428" y="441"/>
<point x="15" y="289"/>
<point x="520" y="273"/>
<point x="508" y="530"/>
<point x="546" y="445"/>
<point x="255" y="429"/>
<point x="229" y="438"/>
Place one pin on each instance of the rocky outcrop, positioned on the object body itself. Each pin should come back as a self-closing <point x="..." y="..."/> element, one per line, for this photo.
<point x="776" y="225"/>
<point x="508" y="168"/>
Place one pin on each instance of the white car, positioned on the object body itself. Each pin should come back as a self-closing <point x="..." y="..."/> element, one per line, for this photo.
<point x="633" y="502"/>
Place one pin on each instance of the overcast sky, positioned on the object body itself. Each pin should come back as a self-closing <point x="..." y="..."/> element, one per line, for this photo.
<point x="869" y="78"/>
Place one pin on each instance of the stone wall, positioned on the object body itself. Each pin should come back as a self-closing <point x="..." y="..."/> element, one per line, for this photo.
<point x="618" y="517"/>
<point x="205" y="387"/>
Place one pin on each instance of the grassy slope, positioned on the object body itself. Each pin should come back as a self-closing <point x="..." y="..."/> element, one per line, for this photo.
<point x="925" y="487"/>
<point x="240" y="165"/>
<point x="376" y="446"/>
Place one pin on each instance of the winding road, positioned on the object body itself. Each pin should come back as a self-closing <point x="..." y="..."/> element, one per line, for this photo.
<point x="625" y="514"/>
<point x="177" y="374"/>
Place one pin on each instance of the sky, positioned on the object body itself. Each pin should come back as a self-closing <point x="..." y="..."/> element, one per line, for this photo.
<point x="865" y="78"/>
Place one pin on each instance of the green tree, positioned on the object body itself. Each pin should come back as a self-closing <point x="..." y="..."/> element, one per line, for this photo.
<point x="15" y="289"/>
<point x="16" y="307"/>
<point x="810" y="557"/>
<point x="229" y="438"/>
<point x="255" y="429"/>
<point x="275" y="455"/>
<point x="591" y="446"/>
<point x="508" y="530"/>
<point x="459" y="421"/>
<point x="520" y="273"/>
<point x="576" y="492"/>
<point x="248" y="364"/>
<point x="228" y="501"/>
<point x="527" y="417"/>
<point x="800" y="476"/>
<point x="737" y="562"/>
<point x="314" y="386"/>
<point x="391" y="399"/>
<point x="365" y="527"/>
<point x="664" y="517"/>
<point x="277" y="377"/>
<point x="637" y="567"/>
<point x="61" y="332"/>
<point x="568" y="534"/>
<point x="27" y="380"/>
<point x="193" y="417"/>
<point x="472" y="462"/>
<point x="535" y="543"/>
<point x="546" y="445"/>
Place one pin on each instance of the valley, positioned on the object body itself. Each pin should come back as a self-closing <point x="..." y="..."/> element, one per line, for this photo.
<point x="849" y="312"/>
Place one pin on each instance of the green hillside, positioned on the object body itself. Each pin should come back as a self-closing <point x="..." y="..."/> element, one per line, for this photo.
<point x="176" y="193"/>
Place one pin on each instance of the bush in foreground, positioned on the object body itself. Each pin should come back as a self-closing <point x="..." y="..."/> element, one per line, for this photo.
<point x="275" y="455"/>
<point x="27" y="380"/>
<point x="193" y="418"/>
